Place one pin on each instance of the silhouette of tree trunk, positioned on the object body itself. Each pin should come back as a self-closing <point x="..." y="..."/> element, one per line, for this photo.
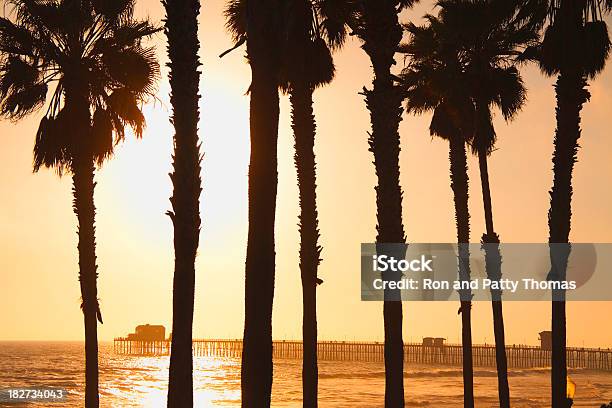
<point x="304" y="128"/>
<point x="490" y="242"/>
<point x="459" y="185"/>
<point x="381" y="37"/>
<point x="183" y="45"/>
<point x="484" y="138"/>
<point x="77" y="106"/>
<point x="262" y="51"/>
<point x="84" y="208"/>
<point x="571" y="95"/>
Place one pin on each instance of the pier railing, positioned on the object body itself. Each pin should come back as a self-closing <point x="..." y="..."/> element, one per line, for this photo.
<point x="519" y="356"/>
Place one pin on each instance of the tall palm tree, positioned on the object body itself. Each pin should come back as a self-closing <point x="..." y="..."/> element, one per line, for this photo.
<point x="376" y="24"/>
<point x="575" y="47"/>
<point x="308" y="64"/>
<point x="87" y="55"/>
<point x="183" y="46"/>
<point x="311" y="30"/>
<point x="263" y="22"/>
<point x="433" y="82"/>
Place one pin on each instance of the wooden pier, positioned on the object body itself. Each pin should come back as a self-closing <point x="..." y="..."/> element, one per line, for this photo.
<point x="448" y="354"/>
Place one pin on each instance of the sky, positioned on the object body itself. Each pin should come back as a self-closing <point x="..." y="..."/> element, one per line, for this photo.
<point x="39" y="290"/>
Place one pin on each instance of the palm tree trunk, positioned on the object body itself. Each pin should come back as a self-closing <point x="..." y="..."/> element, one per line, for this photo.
<point x="571" y="95"/>
<point x="490" y="241"/>
<point x="84" y="208"/>
<point x="262" y="50"/>
<point x="304" y="130"/>
<point x="500" y="354"/>
<point x="466" y="342"/>
<point x="76" y="104"/>
<point x="183" y="45"/>
<point x="385" y="107"/>
<point x="459" y="185"/>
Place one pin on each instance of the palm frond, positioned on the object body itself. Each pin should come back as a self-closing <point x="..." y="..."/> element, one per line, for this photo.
<point x="596" y="47"/>
<point x="485" y="136"/>
<point x="38" y="40"/>
<point x="20" y="102"/>
<point x="532" y="13"/>
<point x="127" y="34"/>
<point x="336" y="17"/>
<point x="236" y="19"/>
<point x="44" y="16"/>
<point x="102" y="136"/>
<point x="422" y="40"/>
<point x="16" y="39"/>
<point x="405" y="4"/>
<point x="52" y="145"/>
<point x="443" y="122"/>
<point x="587" y="49"/>
<point x="114" y="10"/>
<point x="15" y="73"/>
<point x="124" y="104"/>
<point x="421" y="99"/>
<point x="320" y="64"/>
<point x="133" y="68"/>
<point x="509" y="91"/>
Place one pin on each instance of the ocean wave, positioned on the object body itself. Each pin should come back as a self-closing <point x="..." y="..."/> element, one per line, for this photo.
<point x="434" y="373"/>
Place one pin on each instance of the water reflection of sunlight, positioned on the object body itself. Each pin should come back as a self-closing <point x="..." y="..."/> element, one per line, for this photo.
<point x="143" y="382"/>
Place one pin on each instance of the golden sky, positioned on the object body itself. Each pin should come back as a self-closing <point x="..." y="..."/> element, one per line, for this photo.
<point x="39" y="291"/>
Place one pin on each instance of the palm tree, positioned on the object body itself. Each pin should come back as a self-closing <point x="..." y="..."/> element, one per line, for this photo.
<point x="376" y="24"/>
<point x="308" y="64"/>
<point x="88" y="56"/>
<point x="575" y="47"/>
<point x="311" y="31"/>
<point x="183" y="45"/>
<point x="432" y="83"/>
<point x="263" y="21"/>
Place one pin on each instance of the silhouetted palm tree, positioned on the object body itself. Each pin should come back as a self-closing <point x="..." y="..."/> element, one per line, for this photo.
<point x="376" y="24"/>
<point x="433" y="82"/>
<point x="88" y="56"/>
<point x="575" y="48"/>
<point x="183" y="45"/>
<point x="310" y="31"/>
<point x="263" y="21"/>
<point x="308" y="64"/>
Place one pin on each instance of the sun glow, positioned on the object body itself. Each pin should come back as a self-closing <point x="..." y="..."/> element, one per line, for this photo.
<point x="136" y="186"/>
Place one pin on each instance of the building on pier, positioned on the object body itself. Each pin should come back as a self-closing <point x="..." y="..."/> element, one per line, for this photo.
<point x="148" y="332"/>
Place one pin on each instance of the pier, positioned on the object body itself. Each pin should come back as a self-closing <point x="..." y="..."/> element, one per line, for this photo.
<point x="441" y="354"/>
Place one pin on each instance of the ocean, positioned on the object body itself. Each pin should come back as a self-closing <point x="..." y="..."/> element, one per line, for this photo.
<point x="128" y="381"/>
